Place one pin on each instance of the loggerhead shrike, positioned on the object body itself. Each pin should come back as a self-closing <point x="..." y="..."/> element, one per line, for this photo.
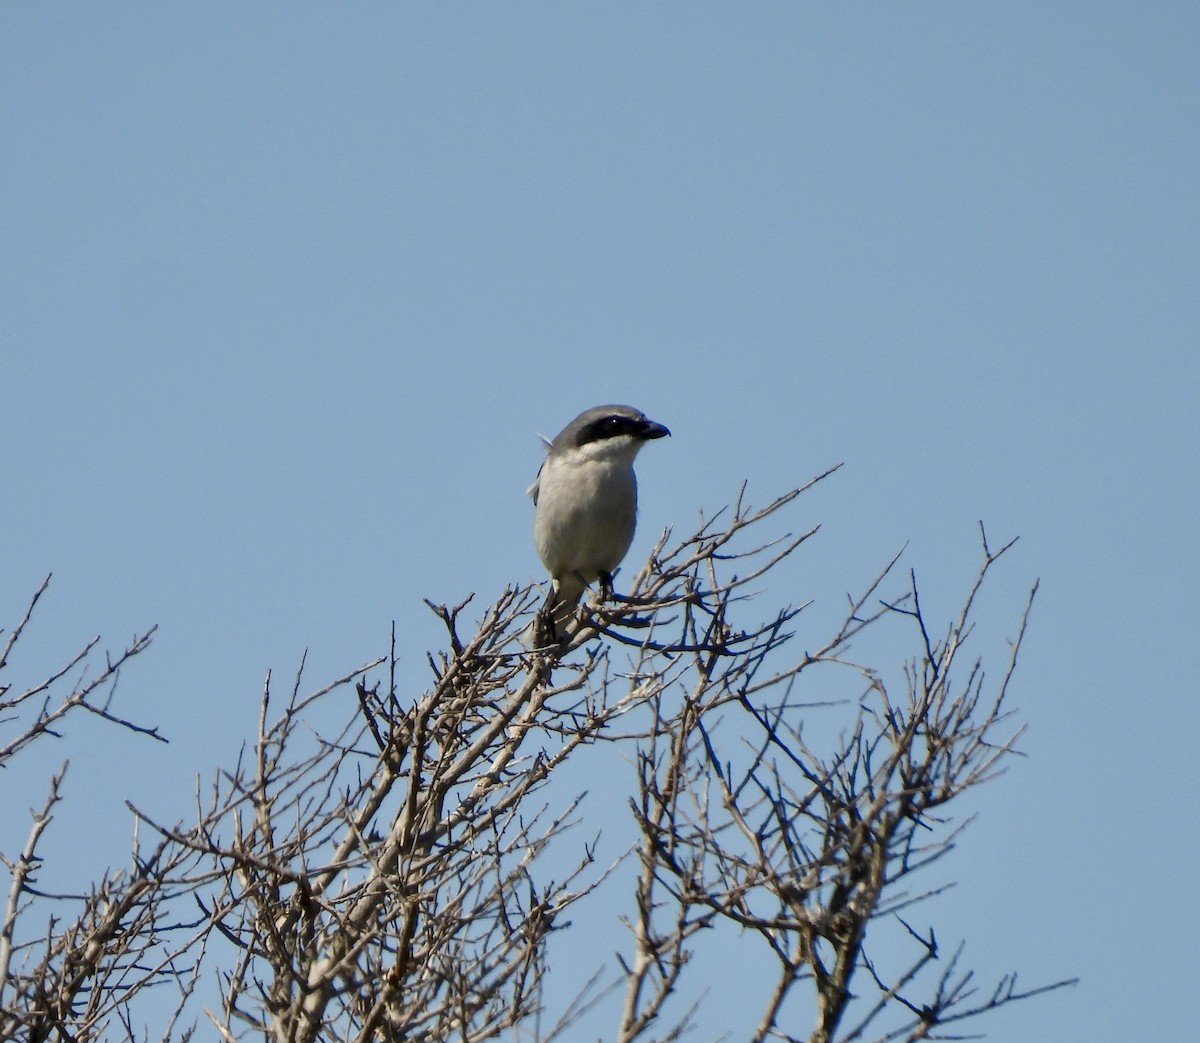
<point x="585" y="504"/>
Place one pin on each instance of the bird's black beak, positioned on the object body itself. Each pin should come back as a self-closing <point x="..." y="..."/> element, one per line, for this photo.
<point x="652" y="430"/>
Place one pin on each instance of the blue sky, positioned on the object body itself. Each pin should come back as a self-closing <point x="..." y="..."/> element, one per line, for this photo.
<point x="287" y="292"/>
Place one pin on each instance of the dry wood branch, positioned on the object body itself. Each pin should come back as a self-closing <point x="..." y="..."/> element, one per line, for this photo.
<point x="401" y="873"/>
<point x="42" y="708"/>
<point x="809" y="849"/>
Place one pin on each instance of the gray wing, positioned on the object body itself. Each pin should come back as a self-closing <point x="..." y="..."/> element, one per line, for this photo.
<point x="532" y="491"/>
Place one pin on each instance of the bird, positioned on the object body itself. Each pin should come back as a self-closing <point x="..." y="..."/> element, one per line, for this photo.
<point x="585" y="504"/>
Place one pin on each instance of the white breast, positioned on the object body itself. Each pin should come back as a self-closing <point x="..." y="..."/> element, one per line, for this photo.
<point x="586" y="510"/>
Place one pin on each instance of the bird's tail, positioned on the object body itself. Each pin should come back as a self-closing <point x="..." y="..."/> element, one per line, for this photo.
<point x="559" y="609"/>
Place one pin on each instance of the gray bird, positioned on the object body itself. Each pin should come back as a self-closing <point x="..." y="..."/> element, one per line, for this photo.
<point x="585" y="504"/>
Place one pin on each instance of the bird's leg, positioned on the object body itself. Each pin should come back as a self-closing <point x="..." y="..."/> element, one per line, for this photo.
<point x="606" y="586"/>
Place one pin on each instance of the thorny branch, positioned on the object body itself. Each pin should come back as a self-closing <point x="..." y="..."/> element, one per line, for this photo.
<point x="402" y="873"/>
<point x="68" y="974"/>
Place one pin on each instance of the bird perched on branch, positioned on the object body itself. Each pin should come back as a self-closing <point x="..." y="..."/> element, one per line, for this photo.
<point x="585" y="504"/>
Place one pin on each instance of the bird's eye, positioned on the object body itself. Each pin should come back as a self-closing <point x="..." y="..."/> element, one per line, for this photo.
<point x="605" y="427"/>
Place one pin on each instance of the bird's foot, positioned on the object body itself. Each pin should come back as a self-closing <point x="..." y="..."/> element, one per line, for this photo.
<point x="606" y="587"/>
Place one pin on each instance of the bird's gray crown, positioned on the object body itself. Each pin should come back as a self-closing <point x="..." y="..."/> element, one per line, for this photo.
<point x="611" y="421"/>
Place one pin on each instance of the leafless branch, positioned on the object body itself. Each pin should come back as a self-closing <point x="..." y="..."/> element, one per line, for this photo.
<point x="402" y="872"/>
